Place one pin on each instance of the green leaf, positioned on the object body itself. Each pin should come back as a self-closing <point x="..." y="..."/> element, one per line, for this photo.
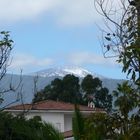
<point x="108" y="38"/>
<point x="129" y="71"/>
<point x="133" y="76"/>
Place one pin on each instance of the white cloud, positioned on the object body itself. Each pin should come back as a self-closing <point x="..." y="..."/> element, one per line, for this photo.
<point x="28" y="63"/>
<point x="76" y="12"/>
<point x="23" y="9"/>
<point x="83" y="58"/>
<point x="64" y="12"/>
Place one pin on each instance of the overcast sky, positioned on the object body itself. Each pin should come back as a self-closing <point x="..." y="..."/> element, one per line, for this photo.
<point x="51" y="33"/>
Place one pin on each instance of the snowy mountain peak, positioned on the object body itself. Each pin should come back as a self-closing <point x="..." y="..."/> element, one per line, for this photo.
<point x="77" y="71"/>
<point x="62" y="71"/>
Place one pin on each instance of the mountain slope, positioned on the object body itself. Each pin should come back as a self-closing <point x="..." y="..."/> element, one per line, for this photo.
<point x="44" y="78"/>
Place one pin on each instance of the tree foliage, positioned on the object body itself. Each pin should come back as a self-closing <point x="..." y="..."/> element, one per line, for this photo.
<point x="94" y="91"/>
<point x="18" y="128"/>
<point x="5" y="50"/>
<point x="78" y="125"/>
<point x="121" y="37"/>
<point x="126" y="112"/>
<point x="126" y="98"/>
<point x="103" y="99"/>
<point x="90" y="85"/>
<point x="69" y="89"/>
<point x="123" y="123"/>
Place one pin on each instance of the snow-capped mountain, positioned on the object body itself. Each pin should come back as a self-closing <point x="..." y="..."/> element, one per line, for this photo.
<point x="62" y="71"/>
<point x="52" y="73"/>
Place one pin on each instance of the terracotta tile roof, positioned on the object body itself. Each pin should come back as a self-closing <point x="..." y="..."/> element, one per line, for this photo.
<point x="52" y="105"/>
<point x="68" y="134"/>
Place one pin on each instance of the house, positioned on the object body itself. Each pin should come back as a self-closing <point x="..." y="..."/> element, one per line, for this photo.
<point x="60" y="114"/>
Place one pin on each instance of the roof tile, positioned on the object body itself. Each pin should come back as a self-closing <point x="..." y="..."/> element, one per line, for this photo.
<point x="52" y="105"/>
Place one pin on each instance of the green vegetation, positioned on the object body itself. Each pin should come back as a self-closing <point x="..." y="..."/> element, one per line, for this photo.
<point x="94" y="91"/>
<point x="78" y="125"/>
<point x="122" y="39"/>
<point x="18" y="128"/>
<point x="121" y="124"/>
<point x="70" y="90"/>
<point x="5" y="50"/>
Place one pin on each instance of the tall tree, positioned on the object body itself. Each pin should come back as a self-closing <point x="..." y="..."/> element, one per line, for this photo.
<point x="67" y="90"/>
<point x="71" y="89"/>
<point x="78" y="125"/>
<point x="103" y="99"/>
<point x="125" y="100"/>
<point x="6" y="46"/>
<point x="121" y="124"/>
<point x="92" y="127"/>
<point x="90" y="85"/>
<point x="5" y="50"/>
<point x="121" y="38"/>
<point x="93" y="91"/>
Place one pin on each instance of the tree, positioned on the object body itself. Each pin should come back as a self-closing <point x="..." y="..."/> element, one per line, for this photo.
<point x="122" y="37"/>
<point x="103" y="99"/>
<point x="78" y="125"/>
<point x="71" y="89"/>
<point x="93" y="91"/>
<point x="90" y="85"/>
<point x="67" y="90"/>
<point x="5" y="49"/>
<point x="97" y="126"/>
<point x="51" y="92"/>
<point x="123" y="123"/>
<point x="126" y="97"/>
<point x="122" y="40"/>
<point x="6" y="46"/>
<point x="18" y="128"/>
<point x="92" y="127"/>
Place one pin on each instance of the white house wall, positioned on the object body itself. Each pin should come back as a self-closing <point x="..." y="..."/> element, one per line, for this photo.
<point x="68" y="122"/>
<point x="72" y="138"/>
<point x="57" y="119"/>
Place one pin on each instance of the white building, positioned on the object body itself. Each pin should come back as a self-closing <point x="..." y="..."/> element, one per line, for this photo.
<point x="59" y="114"/>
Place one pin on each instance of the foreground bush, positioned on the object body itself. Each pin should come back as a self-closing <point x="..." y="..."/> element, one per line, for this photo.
<point x="18" y="128"/>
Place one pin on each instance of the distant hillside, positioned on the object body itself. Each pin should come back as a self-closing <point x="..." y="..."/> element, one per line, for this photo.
<point x="44" y="78"/>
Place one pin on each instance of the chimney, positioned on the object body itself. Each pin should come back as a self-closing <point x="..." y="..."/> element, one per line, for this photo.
<point x="91" y="104"/>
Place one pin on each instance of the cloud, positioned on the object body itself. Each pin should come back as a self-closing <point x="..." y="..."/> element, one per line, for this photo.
<point x="28" y="63"/>
<point x="64" y="12"/>
<point x="23" y="9"/>
<point x="83" y="58"/>
<point x="76" y="12"/>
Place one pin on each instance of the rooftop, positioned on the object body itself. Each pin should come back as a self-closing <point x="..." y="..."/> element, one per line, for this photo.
<point x="52" y="105"/>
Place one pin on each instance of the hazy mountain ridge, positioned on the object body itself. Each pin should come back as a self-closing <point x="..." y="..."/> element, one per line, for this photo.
<point x="43" y="80"/>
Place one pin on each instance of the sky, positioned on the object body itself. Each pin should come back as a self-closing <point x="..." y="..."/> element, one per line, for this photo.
<point x="55" y="33"/>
